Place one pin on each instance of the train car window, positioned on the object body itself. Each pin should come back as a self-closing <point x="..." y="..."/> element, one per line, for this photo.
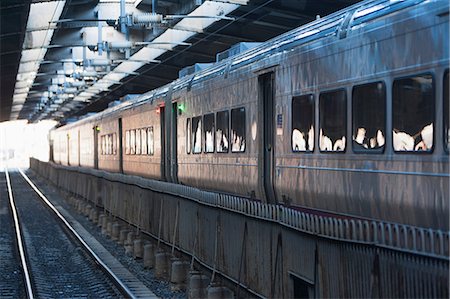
<point x="303" y="123"/>
<point x="369" y="117"/>
<point x="127" y="142"/>
<point x="446" y="113"/>
<point x="188" y="136"/>
<point x="197" y="135"/>
<point x="144" y="134"/>
<point x="108" y="144"/>
<point x="102" y="147"/>
<point x="222" y="132"/>
<point x="110" y="137"/>
<point x="238" y="130"/>
<point x="150" y="141"/>
<point x="208" y="129"/>
<point x="132" y="142"/>
<point x="106" y="148"/>
<point x="138" y="141"/>
<point x="105" y="144"/>
<point x="413" y="114"/>
<point x="332" y="121"/>
<point x="114" y="144"/>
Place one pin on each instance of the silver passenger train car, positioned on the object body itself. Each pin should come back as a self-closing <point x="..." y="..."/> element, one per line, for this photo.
<point x="347" y="115"/>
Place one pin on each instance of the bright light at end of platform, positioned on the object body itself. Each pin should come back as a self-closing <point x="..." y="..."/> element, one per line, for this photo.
<point x="20" y="141"/>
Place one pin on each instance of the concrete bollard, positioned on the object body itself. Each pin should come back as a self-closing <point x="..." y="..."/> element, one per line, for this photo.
<point x="80" y="206"/>
<point x="149" y="256"/>
<point x="162" y="265"/>
<point x="115" y="231"/>
<point x="87" y="210"/>
<point x="123" y="236"/>
<point x="105" y="224"/>
<point x="178" y="274"/>
<point x="100" y="219"/>
<point x="197" y="285"/>
<point x="129" y="243"/>
<point x="109" y="228"/>
<point x="219" y="292"/>
<point x="138" y="249"/>
<point x="94" y="216"/>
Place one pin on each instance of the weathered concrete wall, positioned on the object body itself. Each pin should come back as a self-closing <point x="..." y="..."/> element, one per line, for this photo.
<point x="262" y="255"/>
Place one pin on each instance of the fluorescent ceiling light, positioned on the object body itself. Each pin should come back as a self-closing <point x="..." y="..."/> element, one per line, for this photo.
<point x="41" y="14"/>
<point x="22" y="84"/>
<point x="208" y="8"/>
<point x="31" y="55"/>
<point x="240" y="2"/>
<point x="38" y="34"/>
<point x="117" y="1"/>
<point x="128" y="66"/>
<point x="27" y="67"/>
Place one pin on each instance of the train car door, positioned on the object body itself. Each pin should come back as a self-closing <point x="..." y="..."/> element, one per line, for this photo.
<point x="52" y="147"/>
<point x="266" y="101"/>
<point x="78" y="148"/>
<point x="68" y="148"/>
<point x="95" y="129"/>
<point x="120" y="141"/>
<point x="162" y="119"/>
<point x="173" y="144"/>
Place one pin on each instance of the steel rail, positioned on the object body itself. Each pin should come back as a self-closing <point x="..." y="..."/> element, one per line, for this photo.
<point x="125" y="290"/>
<point x="20" y="242"/>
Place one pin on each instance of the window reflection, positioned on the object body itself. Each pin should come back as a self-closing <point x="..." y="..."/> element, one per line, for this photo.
<point x="197" y="134"/>
<point x="303" y="123"/>
<point x="132" y="142"/>
<point x="332" y="120"/>
<point x="238" y="130"/>
<point x="150" y="141"/>
<point x="413" y="113"/>
<point x="369" y="117"/>
<point x="188" y="136"/>
<point x="138" y="141"/>
<point x="208" y="124"/>
<point x="222" y="132"/>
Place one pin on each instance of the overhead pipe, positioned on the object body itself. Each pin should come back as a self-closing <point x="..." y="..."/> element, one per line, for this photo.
<point x="123" y="18"/>
<point x="123" y="25"/>
<point x="154" y="13"/>
<point x="99" y="39"/>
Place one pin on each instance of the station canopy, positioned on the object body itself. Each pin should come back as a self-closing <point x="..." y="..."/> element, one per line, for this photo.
<point x="63" y="59"/>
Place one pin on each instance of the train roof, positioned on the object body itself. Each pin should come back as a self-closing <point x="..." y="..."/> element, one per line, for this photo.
<point x="335" y="24"/>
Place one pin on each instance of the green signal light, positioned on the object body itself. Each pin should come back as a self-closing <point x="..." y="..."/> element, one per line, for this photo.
<point x="181" y="107"/>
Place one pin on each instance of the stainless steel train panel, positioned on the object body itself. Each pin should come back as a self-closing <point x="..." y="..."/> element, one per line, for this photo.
<point x="144" y="116"/>
<point x="109" y="160"/>
<point x="229" y="172"/>
<point x="73" y="142"/>
<point x="374" y="186"/>
<point x="377" y="41"/>
<point x="86" y="145"/>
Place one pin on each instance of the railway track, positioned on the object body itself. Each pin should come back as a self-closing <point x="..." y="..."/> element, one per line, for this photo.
<point x="41" y="255"/>
<point x="11" y="277"/>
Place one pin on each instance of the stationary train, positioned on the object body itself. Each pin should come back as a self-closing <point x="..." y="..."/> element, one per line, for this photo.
<point x="347" y="115"/>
